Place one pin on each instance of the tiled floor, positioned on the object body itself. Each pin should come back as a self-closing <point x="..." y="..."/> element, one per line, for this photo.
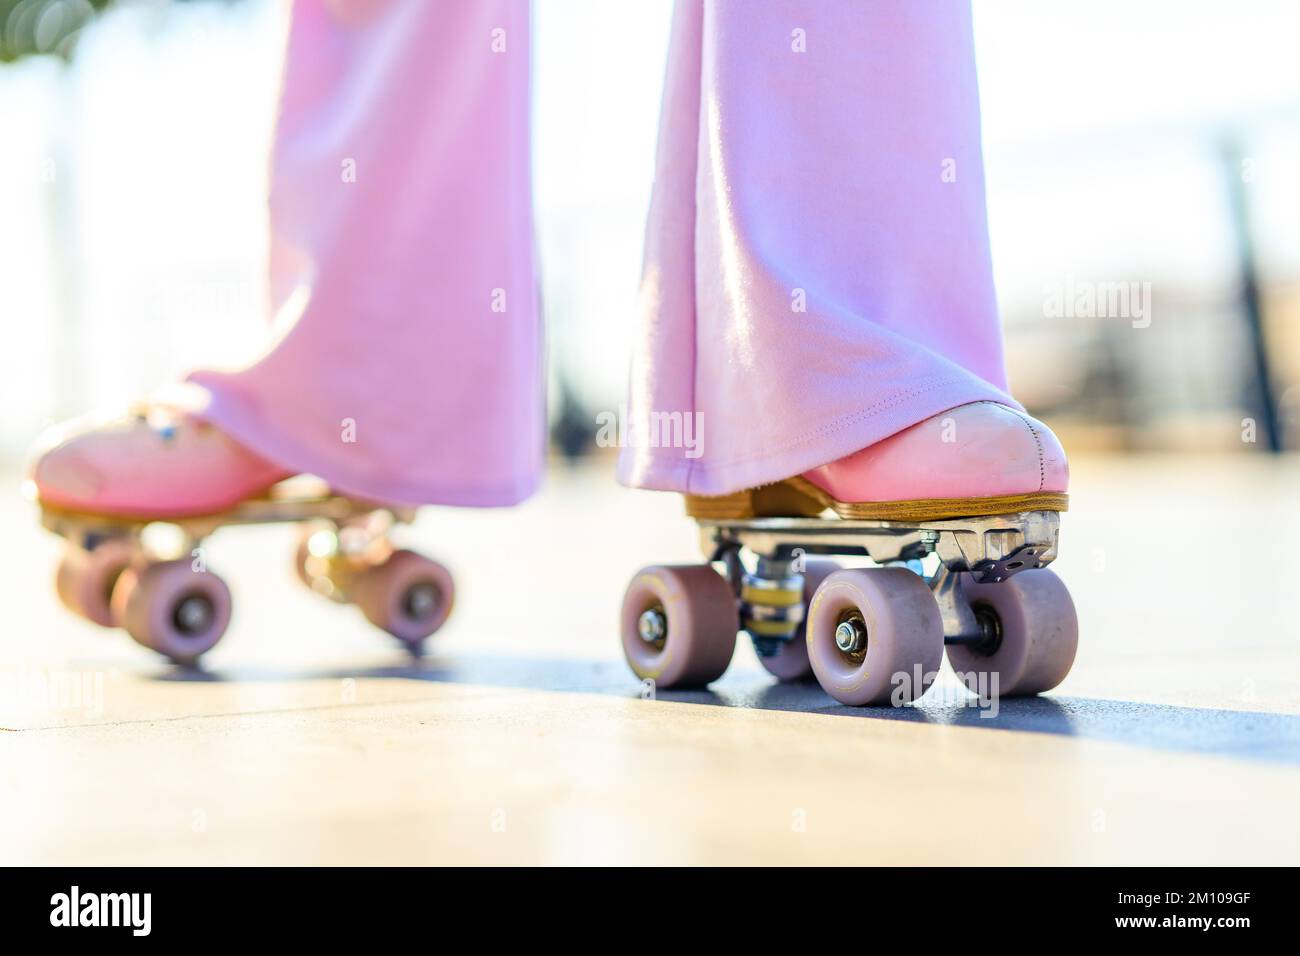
<point x="307" y="739"/>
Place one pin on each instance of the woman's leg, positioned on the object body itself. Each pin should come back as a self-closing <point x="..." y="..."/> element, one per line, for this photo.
<point x="406" y="361"/>
<point x="817" y="273"/>
<point x="409" y="368"/>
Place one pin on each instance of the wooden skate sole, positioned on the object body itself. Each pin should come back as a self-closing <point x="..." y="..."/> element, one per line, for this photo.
<point x="283" y="503"/>
<point x="799" y="498"/>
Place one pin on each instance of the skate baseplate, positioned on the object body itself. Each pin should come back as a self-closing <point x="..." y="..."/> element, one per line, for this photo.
<point x="289" y="502"/>
<point x="991" y="548"/>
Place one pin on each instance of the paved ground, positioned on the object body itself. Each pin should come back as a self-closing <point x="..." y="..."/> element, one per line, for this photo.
<point x="1176" y="739"/>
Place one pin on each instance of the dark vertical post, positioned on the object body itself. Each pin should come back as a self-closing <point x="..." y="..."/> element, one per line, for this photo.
<point x="1248" y="273"/>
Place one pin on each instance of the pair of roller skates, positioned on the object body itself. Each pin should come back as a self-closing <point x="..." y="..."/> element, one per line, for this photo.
<point x="974" y="585"/>
<point x="114" y="573"/>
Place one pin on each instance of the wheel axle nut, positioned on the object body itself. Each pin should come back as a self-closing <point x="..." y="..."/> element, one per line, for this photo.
<point x="193" y="615"/>
<point x="421" y="601"/>
<point x="851" y="636"/>
<point x="652" y="625"/>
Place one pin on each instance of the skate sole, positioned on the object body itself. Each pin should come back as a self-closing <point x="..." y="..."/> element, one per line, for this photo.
<point x="799" y="498"/>
<point x="288" y="502"/>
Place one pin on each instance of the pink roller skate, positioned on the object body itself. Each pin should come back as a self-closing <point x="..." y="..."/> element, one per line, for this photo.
<point x="100" y="485"/>
<point x="961" y="515"/>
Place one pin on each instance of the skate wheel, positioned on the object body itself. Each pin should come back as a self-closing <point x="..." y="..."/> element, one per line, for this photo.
<point x="408" y="595"/>
<point x="874" y="636"/>
<point x="791" y="663"/>
<point x="172" y="609"/>
<point x="85" y="579"/>
<point x="1037" y="635"/>
<point x="679" y="625"/>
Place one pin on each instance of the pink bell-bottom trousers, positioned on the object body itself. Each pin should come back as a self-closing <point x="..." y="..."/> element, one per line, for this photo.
<point x="816" y="278"/>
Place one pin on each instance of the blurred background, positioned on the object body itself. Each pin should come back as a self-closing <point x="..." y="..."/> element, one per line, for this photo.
<point x="1141" y="164"/>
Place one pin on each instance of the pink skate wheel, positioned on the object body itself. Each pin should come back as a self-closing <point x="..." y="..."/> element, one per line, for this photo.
<point x="875" y="636"/>
<point x="173" y="609"/>
<point x="409" y="596"/>
<point x="85" y="579"/>
<point x="791" y="663"/>
<point x="1036" y="635"/>
<point x="679" y="625"/>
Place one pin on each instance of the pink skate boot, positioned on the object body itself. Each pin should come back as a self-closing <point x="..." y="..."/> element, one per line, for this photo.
<point x="156" y="462"/>
<point x="960" y="512"/>
<point x="100" y="486"/>
<point x="977" y="459"/>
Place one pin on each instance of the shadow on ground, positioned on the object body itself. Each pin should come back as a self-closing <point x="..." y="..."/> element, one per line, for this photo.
<point x="1244" y="734"/>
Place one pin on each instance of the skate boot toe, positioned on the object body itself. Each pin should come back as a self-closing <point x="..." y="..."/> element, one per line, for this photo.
<point x="63" y="474"/>
<point x="149" y="462"/>
<point x="963" y="461"/>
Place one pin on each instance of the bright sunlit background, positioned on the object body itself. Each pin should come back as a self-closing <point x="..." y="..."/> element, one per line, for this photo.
<point x="1150" y="142"/>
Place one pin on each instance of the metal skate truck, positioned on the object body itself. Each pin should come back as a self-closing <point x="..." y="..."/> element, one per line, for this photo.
<point x="976" y="586"/>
